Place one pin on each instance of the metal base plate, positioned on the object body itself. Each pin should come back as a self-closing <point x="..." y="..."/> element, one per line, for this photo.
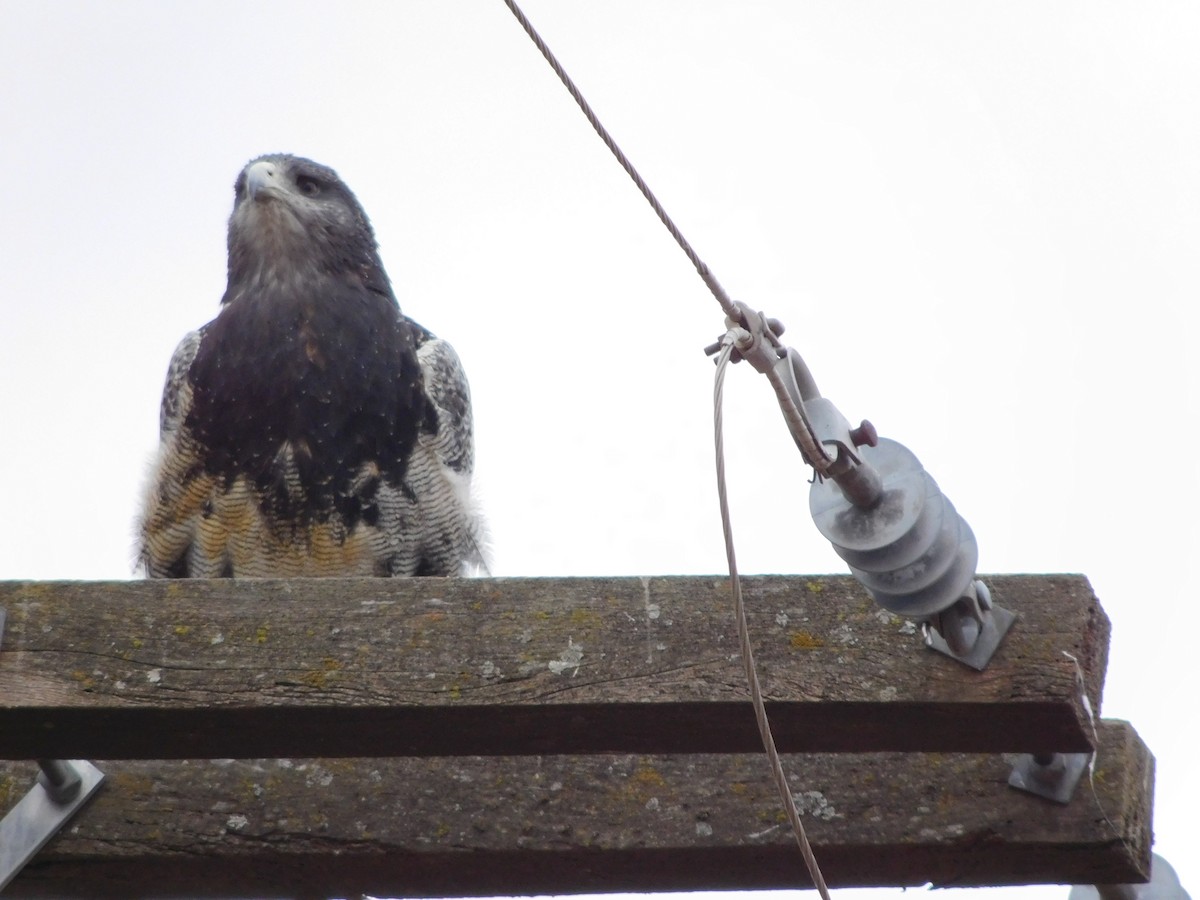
<point x="995" y="627"/>
<point x="1056" y="781"/>
<point x="36" y="818"/>
<point x="1163" y="885"/>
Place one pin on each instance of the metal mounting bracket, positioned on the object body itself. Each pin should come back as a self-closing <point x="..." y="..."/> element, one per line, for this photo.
<point x="995" y="625"/>
<point x="1163" y="885"/>
<point x="1051" y="775"/>
<point x="62" y="787"/>
<point x="975" y="624"/>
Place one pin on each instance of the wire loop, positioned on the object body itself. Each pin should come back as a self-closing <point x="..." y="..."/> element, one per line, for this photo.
<point x="735" y="585"/>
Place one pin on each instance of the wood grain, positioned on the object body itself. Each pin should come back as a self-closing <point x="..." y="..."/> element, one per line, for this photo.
<point x="429" y="667"/>
<point x="535" y="825"/>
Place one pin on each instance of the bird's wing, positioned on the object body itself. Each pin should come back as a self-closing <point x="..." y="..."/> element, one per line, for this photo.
<point x="446" y="386"/>
<point x="177" y="393"/>
<point x="452" y="448"/>
<point x="165" y="531"/>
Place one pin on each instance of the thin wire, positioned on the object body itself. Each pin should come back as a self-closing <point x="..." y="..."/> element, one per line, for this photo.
<point x="708" y="277"/>
<point x="795" y="415"/>
<point x="760" y="711"/>
<point x="1087" y="707"/>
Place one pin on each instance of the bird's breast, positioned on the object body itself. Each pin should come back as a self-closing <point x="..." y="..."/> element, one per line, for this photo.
<point x="296" y="394"/>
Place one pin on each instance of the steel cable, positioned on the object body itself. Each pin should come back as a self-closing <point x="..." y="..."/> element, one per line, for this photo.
<point x="708" y="277"/>
<point x="796" y="418"/>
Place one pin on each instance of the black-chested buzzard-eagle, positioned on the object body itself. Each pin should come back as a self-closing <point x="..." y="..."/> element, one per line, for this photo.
<point x="310" y="429"/>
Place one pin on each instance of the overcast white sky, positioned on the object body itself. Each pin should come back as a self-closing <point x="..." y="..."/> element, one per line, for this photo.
<point x="979" y="222"/>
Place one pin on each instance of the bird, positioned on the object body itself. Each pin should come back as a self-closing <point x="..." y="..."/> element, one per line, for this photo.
<point x="311" y="429"/>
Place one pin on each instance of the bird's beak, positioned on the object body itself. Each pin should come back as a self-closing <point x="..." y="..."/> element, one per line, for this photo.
<point x="261" y="177"/>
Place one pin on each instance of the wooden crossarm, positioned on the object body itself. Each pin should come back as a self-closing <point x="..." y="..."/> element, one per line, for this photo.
<point x="432" y="667"/>
<point x="536" y="825"/>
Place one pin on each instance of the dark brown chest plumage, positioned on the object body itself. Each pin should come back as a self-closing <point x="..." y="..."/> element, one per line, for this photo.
<point x="330" y="378"/>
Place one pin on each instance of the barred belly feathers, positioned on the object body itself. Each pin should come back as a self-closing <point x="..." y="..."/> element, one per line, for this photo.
<point x="310" y="429"/>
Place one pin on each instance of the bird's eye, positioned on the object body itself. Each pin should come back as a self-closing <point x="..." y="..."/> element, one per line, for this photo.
<point x="308" y="186"/>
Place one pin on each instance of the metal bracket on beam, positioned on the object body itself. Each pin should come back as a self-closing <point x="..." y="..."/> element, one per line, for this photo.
<point x="1051" y="775"/>
<point x="62" y="787"/>
<point x="1163" y="885"/>
<point x="969" y="630"/>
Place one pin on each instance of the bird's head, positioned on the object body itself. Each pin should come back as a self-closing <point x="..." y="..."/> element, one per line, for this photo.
<point x="293" y="220"/>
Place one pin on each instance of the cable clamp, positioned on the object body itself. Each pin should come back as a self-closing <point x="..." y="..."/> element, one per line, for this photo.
<point x="755" y="339"/>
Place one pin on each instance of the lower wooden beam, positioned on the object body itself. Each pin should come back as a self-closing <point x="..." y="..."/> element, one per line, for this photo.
<point x="534" y="825"/>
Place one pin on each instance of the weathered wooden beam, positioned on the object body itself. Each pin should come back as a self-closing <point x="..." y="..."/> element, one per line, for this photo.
<point x="419" y="667"/>
<point x="527" y="825"/>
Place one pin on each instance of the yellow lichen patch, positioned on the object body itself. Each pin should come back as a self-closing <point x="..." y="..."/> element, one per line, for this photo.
<point x="260" y="636"/>
<point x="314" y="679"/>
<point x="6" y="789"/>
<point x="30" y="593"/>
<point x="585" y="617"/>
<point x="130" y="783"/>
<point x="318" y="678"/>
<point x="814" y="587"/>
<point x="739" y="788"/>
<point x="644" y="783"/>
<point x="802" y="640"/>
<point x="649" y="776"/>
<point x="137" y="643"/>
<point x="84" y="678"/>
<point x="181" y="630"/>
<point x="250" y="790"/>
